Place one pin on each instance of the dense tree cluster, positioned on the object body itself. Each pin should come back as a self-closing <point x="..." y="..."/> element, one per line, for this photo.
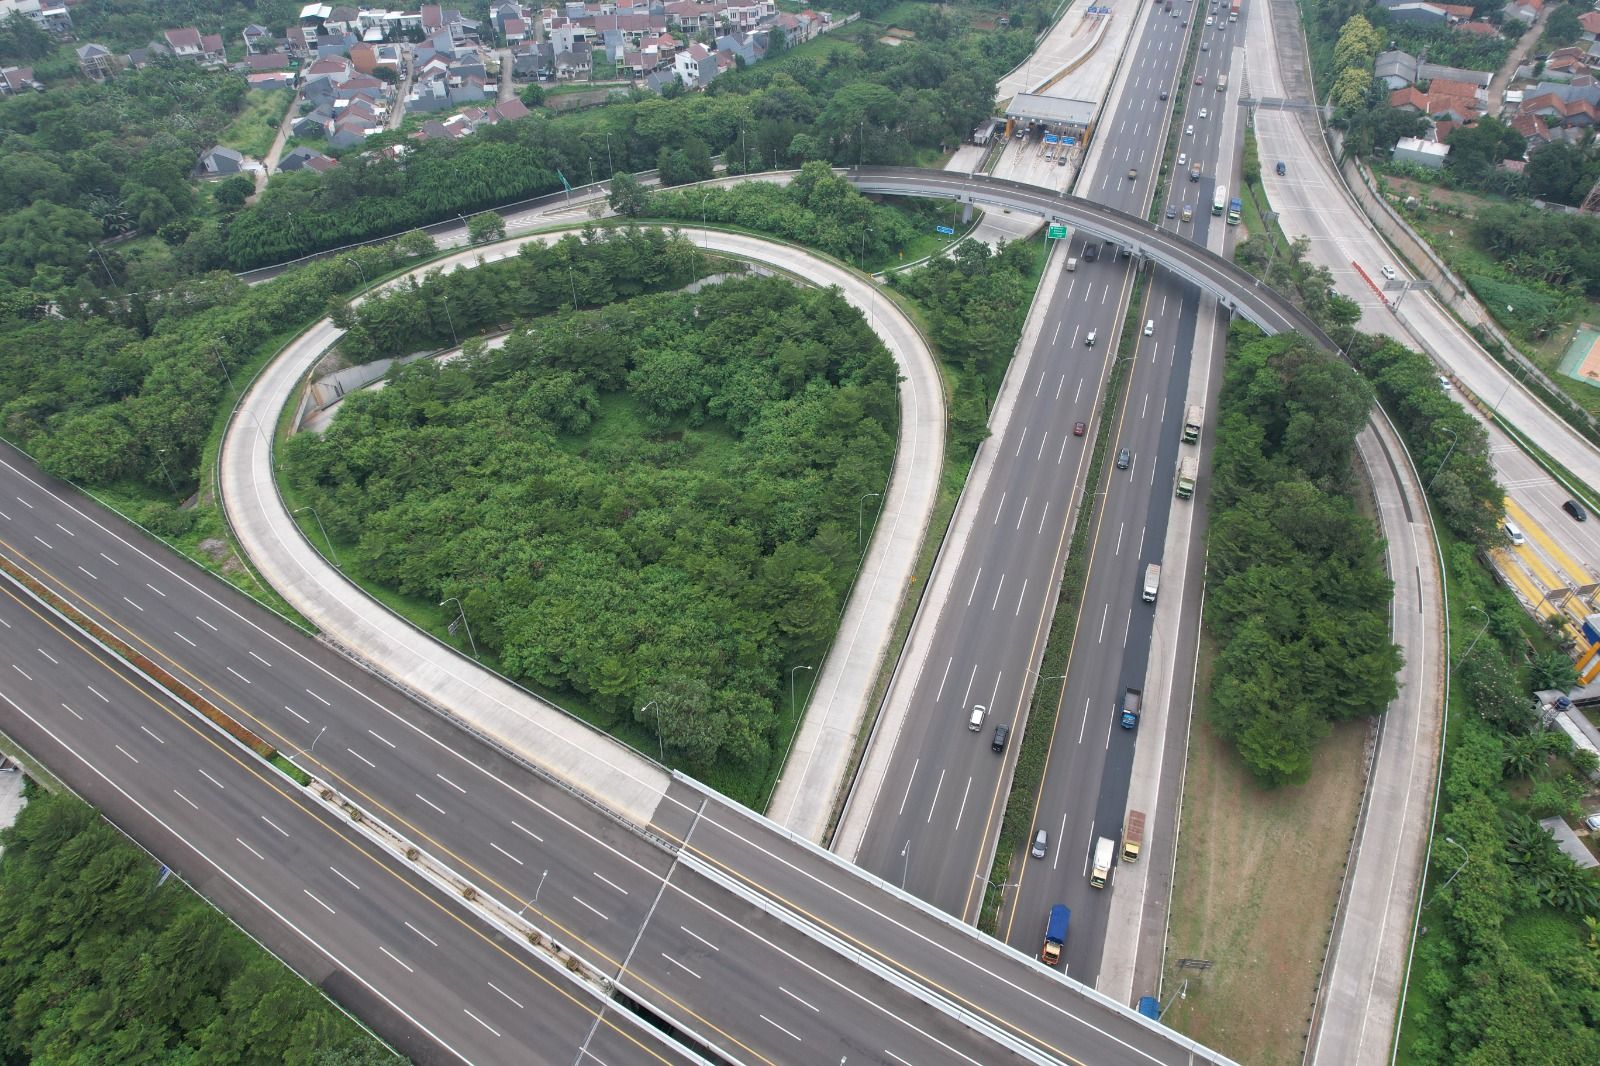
<point x="79" y="164"/>
<point x="651" y="505"/>
<point x="1297" y="595"/>
<point x="975" y="300"/>
<point x="130" y="395"/>
<point x="855" y="101"/>
<point x="817" y="208"/>
<point x="1448" y="445"/>
<point x="1511" y="970"/>
<point x="103" y="966"/>
<point x="441" y="308"/>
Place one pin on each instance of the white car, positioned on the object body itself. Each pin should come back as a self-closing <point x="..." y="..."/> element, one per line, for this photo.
<point x="1188" y="131"/>
<point x="1204" y="113"/>
<point x="1389" y="272"/>
<point x="1149" y="326"/>
<point x="1183" y="159"/>
<point x="1211" y="20"/>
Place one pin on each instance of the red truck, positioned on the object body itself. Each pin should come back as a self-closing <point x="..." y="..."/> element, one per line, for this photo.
<point x="1233" y="12"/>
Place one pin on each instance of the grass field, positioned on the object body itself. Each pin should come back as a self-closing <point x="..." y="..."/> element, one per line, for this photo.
<point x="251" y="134"/>
<point x="1258" y="876"/>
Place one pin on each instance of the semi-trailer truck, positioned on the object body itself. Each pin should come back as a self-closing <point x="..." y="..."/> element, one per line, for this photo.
<point x="1133" y="836"/>
<point x="1130" y="708"/>
<point x="1100" y="868"/>
<point x="1055" y="935"/>
<point x="1192" y="422"/>
<point x="1188" y="472"/>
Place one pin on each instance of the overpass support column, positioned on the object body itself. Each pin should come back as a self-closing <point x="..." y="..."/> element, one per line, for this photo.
<point x="966" y="212"/>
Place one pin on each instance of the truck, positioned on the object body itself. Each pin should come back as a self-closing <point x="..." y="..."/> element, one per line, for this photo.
<point x="1129" y="717"/>
<point x="1055" y="935"/>
<point x="1133" y="836"/>
<point x="1234" y="209"/>
<point x="1192" y="421"/>
<point x="1219" y="200"/>
<point x="1152" y="582"/>
<point x="1100" y="868"/>
<point x="1188" y="473"/>
<point x="1233" y="11"/>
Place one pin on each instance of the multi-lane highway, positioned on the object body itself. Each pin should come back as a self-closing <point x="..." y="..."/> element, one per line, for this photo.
<point x="725" y="926"/>
<point x="436" y="982"/>
<point x="933" y="817"/>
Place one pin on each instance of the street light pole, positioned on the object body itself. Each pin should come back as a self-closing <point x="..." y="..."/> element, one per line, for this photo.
<point x="661" y="747"/>
<point x="448" y="317"/>
<point x="1446" y="459"/>
<point x="1466" y="857"/>
<point x="1474" y="644"/>
<point x="357" y="264"/>
<point x="460" y="607"/>
<point x="905" y="853"/>
<point x="791" y="685"/>
<point x="860" y="515"/>
<point x="326" y="539"/>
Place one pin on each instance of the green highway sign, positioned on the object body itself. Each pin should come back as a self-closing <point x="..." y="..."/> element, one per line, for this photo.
<point x="1056" y="232"/>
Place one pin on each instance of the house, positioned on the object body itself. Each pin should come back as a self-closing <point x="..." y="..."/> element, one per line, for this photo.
<point x="300" y="42"/>
<point x="367" y="58"/>
<point x="270" y="79"/>
<point x="220" y="160"/>
<point x="300" y="158"/>
<point x="1569" y="843"/>
<point x="1570" y="61"/>
<point x="529" y="60"/>
<point x="515" y="30"/>
<point x="1458" y="108"/>
<point x="341" y="20"/>
<point x="52" y="18"/>
<point x="350" y="130"/>
<point x="14" y="80"/>
<point x="314" y="123"/>
<point x="1570" y="113"/>
<point x="1450" y="87"/>
<point x="336" y="69"/>
<point x="503" y="13"/>
<point x="265" y="61"/>
<point x="658" y="80"/>
<point x="1524" y="10"/>
<point x="1590" y="21"/>
<point x="1396" y="69"/>
<point x="696" y="66"/>
<point x="96" y="61"/>
<point x="1419" y="14"/>
<point x="1478" y="29"/>
<point x="752" y="48"/>
<point x="431" y="93"/>
<point x="187" y="43"/>
<point x="139" y="58"/>
<point x="1420" y="153"/>
<point x="258" y="39"/>
<point x="575" y="64"/>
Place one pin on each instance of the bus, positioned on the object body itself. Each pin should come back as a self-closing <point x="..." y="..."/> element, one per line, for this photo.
<point x="1219" y="201"/>
<point x="1234" y="207"/>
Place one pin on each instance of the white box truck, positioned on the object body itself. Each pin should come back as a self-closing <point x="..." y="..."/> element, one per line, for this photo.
<point x="1152" y="582"/>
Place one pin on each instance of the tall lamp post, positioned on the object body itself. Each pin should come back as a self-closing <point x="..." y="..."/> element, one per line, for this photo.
<point x="462" y="614"/>
<point x="661" y="747"/>
<point x="326" y="539"/>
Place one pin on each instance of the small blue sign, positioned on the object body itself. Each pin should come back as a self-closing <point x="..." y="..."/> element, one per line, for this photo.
<point x="946" y="230"/>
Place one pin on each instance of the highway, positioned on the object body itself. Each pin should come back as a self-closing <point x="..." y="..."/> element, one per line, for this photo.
<point x="710" y="913"/>
<point x="944" y="786"/>
<point x="435" y="981"/>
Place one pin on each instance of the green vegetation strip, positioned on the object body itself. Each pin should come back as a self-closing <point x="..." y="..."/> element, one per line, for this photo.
<point x="1033" y="752"/>
<point x="109" y="961"/>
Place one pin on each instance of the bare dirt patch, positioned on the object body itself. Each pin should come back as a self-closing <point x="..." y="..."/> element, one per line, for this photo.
<point x="1257" y="881"/>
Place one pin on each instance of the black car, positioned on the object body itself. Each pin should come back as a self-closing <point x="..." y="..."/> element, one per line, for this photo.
<point x="1001" y="733"/>
<point x="1163" y="94"/>
<point x="1575" y="509"/>
<point x="1282" y="170"/>
<point x="1091" y="252"/>
<point x="1172" y="210"/>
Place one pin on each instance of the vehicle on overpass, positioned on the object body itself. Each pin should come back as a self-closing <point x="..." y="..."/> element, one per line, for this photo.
<point x="1055" y="935"/>
<point x="1219" y="200"/>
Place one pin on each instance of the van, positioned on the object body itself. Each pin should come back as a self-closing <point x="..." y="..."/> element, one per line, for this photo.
<point x="1072" y="262"/>
<point x="975" y="721"/>
<point x="1149" y="326"/>
<point x="1088" y="342"/>
<point x="1041" y="844"/>
<point x="1575" y="509"/>
<point x="1002" y="733"/>
<point x="1513" y="532"/>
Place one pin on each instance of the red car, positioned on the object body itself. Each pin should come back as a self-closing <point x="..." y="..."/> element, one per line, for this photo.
<point x="1199" y="79"/>
<point x="1078" y="429"/>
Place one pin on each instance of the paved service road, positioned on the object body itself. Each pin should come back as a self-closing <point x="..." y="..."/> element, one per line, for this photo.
<point x="632" y="904"/>
<point x="432" y="979"/>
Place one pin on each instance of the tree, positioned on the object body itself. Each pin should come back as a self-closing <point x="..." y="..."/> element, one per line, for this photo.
<point x="627" y="197"/>
<point x="532" y="95"/>
<point x="232" y="192"/>
<point x="1554" y="670"/>
<point x="1558" y="172"/>
<point x="1350" y="88"/>
<point x="21" y="39"/>
<point x="485" y="226"/>
<point x="1357" y="46"/>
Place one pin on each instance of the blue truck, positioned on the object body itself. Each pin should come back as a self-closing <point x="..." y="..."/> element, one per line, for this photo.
<point x="1129" y="718"/>
<point x="1055" y="935"/>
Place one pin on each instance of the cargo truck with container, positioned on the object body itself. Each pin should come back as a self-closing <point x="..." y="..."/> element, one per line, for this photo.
<point x="1055" y="935"/>
<point x="1192" y="422"/>
<point x="1100" y="867"/>
<point x="1129" y="717"/>
<point x="1188" y="473"/>
<point x="1233" y="11"/>
<point x="1133" y="836"/>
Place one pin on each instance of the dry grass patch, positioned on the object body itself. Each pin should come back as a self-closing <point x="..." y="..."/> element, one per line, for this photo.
<point x="1258" y="876"/>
